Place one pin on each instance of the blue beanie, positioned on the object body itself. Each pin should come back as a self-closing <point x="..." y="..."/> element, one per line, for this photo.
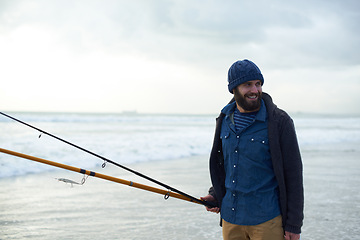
<point x="243" y="71"/>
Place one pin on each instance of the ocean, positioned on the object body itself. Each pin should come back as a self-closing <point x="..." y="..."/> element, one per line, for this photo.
<point x="169" y="148"/>
<point x="123" y="138"/>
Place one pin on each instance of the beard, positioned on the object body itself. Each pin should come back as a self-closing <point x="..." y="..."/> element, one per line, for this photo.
<point x="244" y="103"/>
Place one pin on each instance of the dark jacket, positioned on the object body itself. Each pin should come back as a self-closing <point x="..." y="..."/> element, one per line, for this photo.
<point x="286" y="162"/>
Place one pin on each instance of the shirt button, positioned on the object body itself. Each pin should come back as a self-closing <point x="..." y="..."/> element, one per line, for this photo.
<point x="233" y="209"/>
<point x="237" y="136"/>
<point x="234" y="194"/>
<point x="236" y="151"/>
<point x="233" y="181"/>
<point x="234" y="165"/>
<point x="263" y="141"/>
<point x="252" y="139"/>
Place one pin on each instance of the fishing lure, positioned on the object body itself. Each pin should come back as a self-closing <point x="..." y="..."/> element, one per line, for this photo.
<point x="205" y="203"/>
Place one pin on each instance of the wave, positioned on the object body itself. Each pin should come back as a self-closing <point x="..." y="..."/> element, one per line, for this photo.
<point x="123" y="138"/>
<point x="130" y="138"/>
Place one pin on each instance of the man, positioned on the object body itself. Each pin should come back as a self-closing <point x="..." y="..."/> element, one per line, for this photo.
<point x="255" y="163"/>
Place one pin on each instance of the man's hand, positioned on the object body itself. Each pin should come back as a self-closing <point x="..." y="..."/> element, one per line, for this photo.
<point x="291" y="236"/>
<point x="210" y="198"/>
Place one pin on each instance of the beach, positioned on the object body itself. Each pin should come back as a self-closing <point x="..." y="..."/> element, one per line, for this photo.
<point x="35" y="205"/>
<point x="332" y="198"/>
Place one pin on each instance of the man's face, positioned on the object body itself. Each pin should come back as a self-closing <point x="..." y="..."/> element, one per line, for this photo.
<point x="248" y="96"/>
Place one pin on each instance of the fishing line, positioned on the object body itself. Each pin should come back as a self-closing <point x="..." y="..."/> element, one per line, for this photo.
<point x="205" y="203"/>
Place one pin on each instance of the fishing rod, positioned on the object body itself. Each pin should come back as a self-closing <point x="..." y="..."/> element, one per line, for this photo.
<point x="205" y="203"/>
<point x="166" y="194"/>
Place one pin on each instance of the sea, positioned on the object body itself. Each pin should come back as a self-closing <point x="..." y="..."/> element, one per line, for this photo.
<point x="172" y="147"/>
<point x="123" y="138"/>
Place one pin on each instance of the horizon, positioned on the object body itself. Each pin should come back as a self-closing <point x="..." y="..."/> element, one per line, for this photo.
<point x="134" y="113"/>
<point x="173" y="57"/>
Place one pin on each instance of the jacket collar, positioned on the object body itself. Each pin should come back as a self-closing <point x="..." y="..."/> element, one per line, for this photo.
<point x="229" y="109"/>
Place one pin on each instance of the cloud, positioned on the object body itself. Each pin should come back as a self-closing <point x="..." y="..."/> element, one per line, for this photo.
<point x="183" y="30"/>
<point x="137" y="50"/>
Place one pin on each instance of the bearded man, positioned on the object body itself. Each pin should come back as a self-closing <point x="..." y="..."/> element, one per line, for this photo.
<point x="255" y="163"/>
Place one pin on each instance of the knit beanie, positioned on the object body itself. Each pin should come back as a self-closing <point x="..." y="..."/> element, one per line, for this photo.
<point x="243" y="71"/>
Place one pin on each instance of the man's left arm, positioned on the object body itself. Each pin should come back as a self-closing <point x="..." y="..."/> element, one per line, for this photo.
<point x="293" y="174"/>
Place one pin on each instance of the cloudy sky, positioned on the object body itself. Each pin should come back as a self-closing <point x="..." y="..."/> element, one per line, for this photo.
<point x="167" y="56"/>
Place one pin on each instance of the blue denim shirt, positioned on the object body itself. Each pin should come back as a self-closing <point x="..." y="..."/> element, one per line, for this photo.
<point x="251" y="188"/>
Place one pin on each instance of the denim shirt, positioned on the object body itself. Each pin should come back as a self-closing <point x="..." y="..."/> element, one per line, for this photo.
<point x="251" y="188"/>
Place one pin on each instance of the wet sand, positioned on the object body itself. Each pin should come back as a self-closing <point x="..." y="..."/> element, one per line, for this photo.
<point x="40" y="207"/>
<point x="37" y="206"/>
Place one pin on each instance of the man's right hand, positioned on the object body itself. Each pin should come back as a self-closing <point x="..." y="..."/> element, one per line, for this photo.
<point x="210" y="198"/>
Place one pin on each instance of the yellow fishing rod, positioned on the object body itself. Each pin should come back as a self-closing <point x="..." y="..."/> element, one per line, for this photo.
<point x="187" y="196"/>
<point x="166" y="194"/>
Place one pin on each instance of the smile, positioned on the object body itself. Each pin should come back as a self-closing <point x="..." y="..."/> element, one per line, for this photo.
<point x="252" y="97"/>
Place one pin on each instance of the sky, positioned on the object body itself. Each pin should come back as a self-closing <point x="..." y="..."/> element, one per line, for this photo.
<point x="167" y="56"/>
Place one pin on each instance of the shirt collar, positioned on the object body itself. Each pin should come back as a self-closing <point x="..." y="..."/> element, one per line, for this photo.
<point x="260" y="116"/>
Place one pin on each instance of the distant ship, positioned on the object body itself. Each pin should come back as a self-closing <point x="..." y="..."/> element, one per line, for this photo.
<point x="129" y="112"/>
